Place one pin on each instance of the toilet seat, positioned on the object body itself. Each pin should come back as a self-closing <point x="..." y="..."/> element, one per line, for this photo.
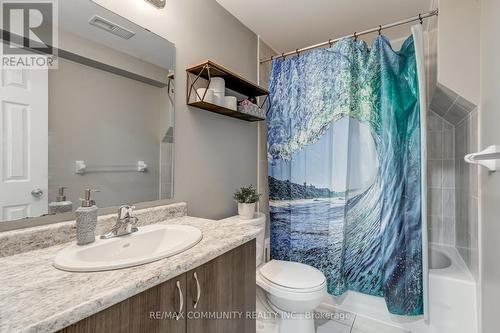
<point x="293" y="295"/>
<point x="292" y="276"/>
<point x="276" y="288"/>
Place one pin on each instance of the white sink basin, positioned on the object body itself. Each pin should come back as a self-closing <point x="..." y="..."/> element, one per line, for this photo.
<point x="150" y="243"/>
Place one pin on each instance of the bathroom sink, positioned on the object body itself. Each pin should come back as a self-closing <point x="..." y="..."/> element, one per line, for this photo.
<point x="150" y="243"/>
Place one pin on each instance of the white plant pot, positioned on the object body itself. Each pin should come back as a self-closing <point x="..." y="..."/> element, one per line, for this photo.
<point x="246" y="210"/>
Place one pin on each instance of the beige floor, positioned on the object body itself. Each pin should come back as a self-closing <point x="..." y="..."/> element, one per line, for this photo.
<point x="327" y="322"/>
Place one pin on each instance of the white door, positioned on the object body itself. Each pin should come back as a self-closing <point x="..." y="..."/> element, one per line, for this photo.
<point x="23" y="143"/>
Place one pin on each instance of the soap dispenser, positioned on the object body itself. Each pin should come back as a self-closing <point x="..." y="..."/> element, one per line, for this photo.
<point x="61" y="205"/>
<point x="86" y="219"/>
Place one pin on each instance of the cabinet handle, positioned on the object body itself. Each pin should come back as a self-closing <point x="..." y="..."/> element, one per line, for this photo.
<point x="198" y="290"/>
<point x="181" y="297"/>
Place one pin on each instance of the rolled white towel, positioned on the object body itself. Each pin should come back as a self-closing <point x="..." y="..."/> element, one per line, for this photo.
<point x="218" y="85"/>
<point x="231" y="102"/>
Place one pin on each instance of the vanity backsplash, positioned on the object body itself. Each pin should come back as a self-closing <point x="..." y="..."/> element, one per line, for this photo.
<point x="29" y="239"/>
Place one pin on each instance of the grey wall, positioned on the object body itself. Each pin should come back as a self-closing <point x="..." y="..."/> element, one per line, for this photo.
<point x="489" y="120"/>
<point x="104" y="119"/>
<point x="459" y="46"/>
<point x="214" y="154"/>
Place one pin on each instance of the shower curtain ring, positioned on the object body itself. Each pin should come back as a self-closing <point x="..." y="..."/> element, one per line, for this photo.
<point x="380" y="30"/>
<point x="330" y="42"/>
<point x="356" y="36"/>
<point x="298" y="52"/>
<point x="283" y="55"/>
<point x="420" y="18"/>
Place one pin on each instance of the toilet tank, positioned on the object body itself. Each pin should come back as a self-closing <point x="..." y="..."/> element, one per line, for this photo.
<point x="258" y="221"/>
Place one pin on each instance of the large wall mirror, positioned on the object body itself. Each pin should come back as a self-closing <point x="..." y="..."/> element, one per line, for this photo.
<point x="102" y="119"/>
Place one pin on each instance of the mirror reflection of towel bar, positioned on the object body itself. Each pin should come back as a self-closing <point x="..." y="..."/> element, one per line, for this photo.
<point x="81" y="168"/>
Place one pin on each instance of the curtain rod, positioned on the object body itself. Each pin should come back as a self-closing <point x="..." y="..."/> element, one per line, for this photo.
<point x="420" y="18"/>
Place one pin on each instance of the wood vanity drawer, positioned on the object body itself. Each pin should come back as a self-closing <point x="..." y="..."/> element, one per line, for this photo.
<point x="224" y="285"/>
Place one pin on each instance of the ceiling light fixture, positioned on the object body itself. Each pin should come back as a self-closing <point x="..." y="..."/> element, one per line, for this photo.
<point x="158" y="3"/>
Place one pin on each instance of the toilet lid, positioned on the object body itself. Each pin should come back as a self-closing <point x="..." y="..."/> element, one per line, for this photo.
<point x="292" y="274"/>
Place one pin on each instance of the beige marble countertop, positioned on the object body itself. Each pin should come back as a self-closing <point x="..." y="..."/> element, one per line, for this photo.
<point x="36" y="297"/>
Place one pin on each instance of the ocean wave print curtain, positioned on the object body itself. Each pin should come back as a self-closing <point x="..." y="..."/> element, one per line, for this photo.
<point x="344" y="152"/>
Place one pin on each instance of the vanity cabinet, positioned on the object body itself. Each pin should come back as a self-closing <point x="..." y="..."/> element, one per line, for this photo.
<point x="223" y="287"/>
<point x="214" y="298"/>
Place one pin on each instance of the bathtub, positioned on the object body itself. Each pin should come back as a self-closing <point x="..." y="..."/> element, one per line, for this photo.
<point x="439" y="258"/>
<point x="452" y="293"/>
<point x="452" y="298"/>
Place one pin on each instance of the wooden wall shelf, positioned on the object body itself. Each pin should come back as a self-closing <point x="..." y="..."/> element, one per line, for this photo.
<point x="234" y="82"/>
<point x="225" y="111"/>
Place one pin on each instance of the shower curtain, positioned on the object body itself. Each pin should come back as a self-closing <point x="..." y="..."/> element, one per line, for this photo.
<point x="345" y="171"/>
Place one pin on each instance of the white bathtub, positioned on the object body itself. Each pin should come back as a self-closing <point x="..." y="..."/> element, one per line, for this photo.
<point x="439" y="259"/>
<point x="452" y="298"/>
<point x="452" y="293"/>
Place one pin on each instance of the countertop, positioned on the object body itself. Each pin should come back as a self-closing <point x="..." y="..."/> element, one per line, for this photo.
<point x="36" y="297"/>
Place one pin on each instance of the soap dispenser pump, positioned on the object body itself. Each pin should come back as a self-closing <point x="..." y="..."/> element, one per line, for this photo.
<point x="61" y="205"/>
<point x="86" y="219"/>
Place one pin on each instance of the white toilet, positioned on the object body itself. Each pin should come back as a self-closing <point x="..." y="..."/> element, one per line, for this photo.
<point x="292" y="289"/>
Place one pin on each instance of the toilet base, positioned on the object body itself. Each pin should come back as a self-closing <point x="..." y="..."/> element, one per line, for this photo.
<point x="292" y="322"/>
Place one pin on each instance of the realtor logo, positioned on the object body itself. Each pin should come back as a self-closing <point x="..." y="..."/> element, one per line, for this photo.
<point x="29" y="33"/>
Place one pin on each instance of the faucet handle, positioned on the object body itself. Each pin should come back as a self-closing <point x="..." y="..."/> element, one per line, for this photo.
<point x="125" y="212"/>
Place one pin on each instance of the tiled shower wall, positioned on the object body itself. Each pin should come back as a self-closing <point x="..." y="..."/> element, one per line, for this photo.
<point x="441" y="180"/>
<point x="467" y="193"/>
<point x="453" y="189"/>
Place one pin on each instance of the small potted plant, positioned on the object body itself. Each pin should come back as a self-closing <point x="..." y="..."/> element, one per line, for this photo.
<point x="246" y="197"/>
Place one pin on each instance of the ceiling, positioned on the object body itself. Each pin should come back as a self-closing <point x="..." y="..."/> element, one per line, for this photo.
<point x="290" y="24"/>
<point x="74" y="17"/>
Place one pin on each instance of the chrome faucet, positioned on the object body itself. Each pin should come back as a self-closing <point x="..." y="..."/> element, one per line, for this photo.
<point x="125" y="223"/>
